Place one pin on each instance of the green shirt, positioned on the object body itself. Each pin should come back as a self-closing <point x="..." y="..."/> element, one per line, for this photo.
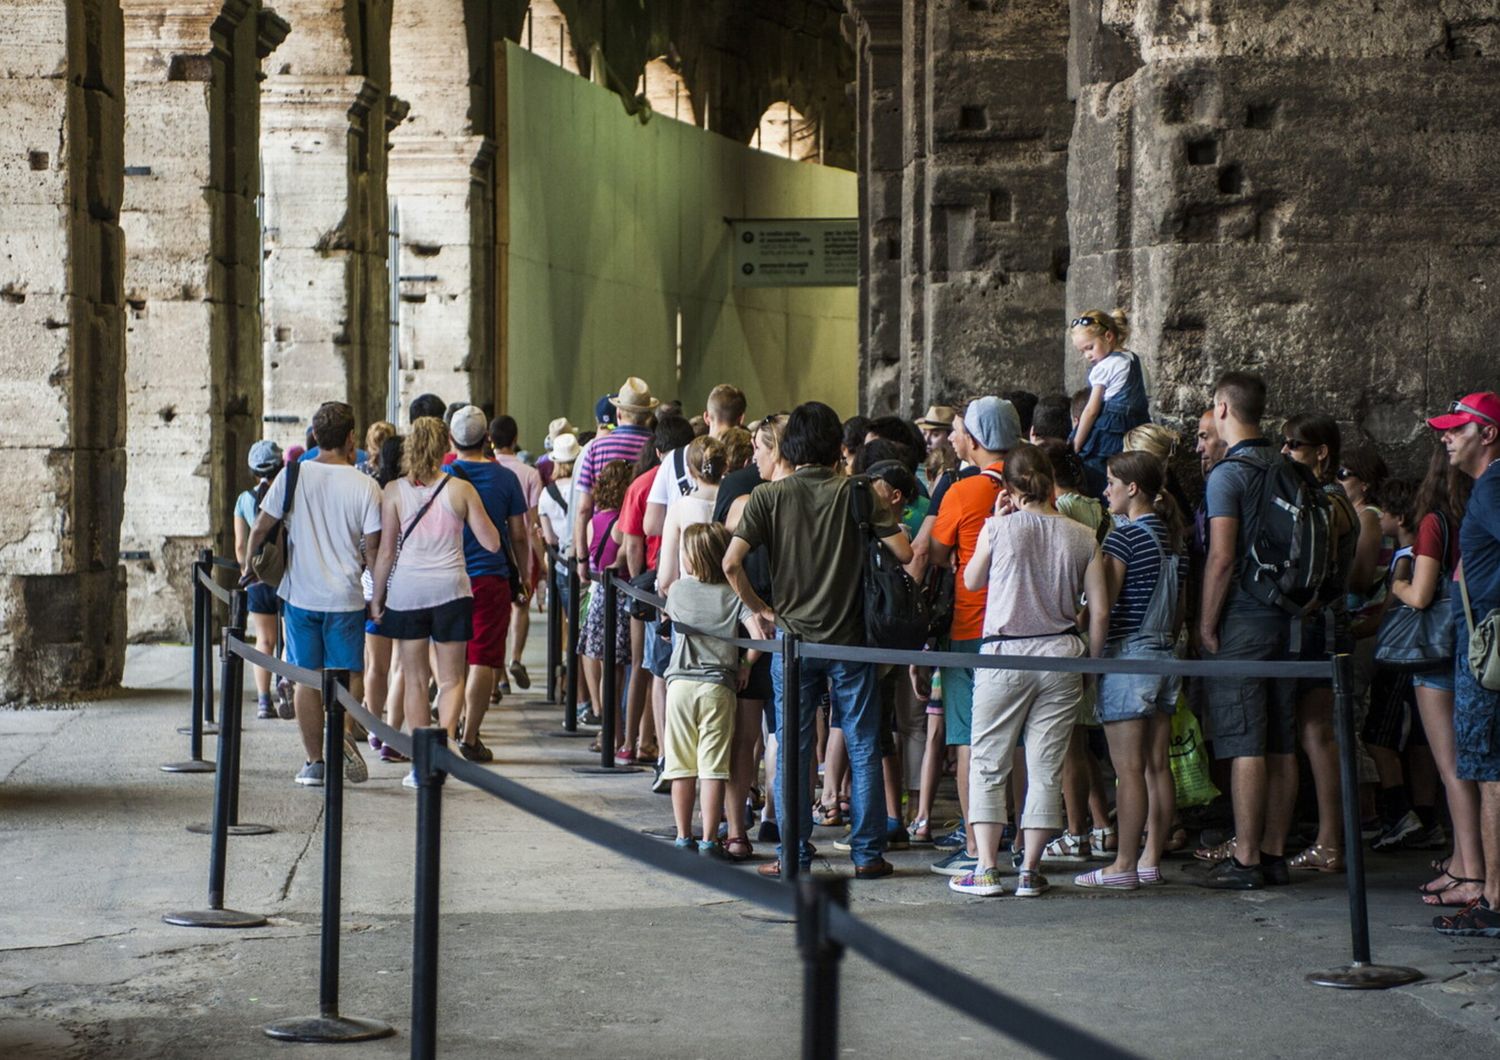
<point x="817" y="557"/>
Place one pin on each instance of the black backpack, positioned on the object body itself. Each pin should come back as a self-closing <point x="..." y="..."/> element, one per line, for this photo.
<point x="896" y="611"/>
<point x="1291" y="557"/>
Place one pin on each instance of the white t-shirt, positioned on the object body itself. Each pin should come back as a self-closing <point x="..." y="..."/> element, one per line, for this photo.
<point x="334" y="507"/>
<point x="553" y="512"/>
<point x="664" y="489"/>
<point x="1111" y="373"/>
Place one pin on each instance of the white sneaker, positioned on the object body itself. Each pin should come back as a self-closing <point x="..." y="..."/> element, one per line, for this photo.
<point x="410" y="780"/>
<point x="355" y="770"/>
<point x="1065" y="849"/>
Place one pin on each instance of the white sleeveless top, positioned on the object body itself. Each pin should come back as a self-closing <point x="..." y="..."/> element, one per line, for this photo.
<point x="430" y="568"/>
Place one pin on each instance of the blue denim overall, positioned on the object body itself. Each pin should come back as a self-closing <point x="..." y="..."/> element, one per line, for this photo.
<point x="1125" y="411"/>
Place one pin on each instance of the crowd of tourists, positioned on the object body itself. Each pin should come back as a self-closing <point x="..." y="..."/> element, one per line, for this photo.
<point x="1053" y="527"/>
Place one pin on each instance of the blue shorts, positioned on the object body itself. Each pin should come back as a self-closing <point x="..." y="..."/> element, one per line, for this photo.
<point x="1476" y="720"/>
<point x="1125" y="697"/>
<point x="1442" y="680"/>
<point x="262" y="599"/>
<point x="958" y="695"/>
<point x="656" y="652"/>
<point x="325" y="640"/>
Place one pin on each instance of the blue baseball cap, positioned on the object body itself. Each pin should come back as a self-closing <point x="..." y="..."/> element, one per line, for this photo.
<point x="604" y="410"/>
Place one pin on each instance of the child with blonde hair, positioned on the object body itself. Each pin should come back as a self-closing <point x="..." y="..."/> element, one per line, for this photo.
<point x="702" y="679"/>
<point x="1117" y="386"/>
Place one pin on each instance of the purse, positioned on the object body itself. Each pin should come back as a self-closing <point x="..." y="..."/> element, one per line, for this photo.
<point x="1413" y="639"/>
<point x="270" y="563"/>
<point x="1484" y="642"/>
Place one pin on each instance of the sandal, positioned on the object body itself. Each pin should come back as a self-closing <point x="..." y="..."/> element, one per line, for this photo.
<point x="826" y="816"/>
<point x="1214" y="855"/>
<point x="919" y="832"/>
<point x="738" y="848"/>
<point x="1318" y="858"/>
<point x="1437" y="886"/>
<point x="1177" y="840"/>
<point x="1439" y="897"/>
<point x="1441" y="865"/>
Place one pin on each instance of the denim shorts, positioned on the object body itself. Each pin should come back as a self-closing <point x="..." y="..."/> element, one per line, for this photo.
<point x="656" y="653"/>
<point x="1442" y="680"/>
<point x="325" y="640"/>
<point x="262" y="599"/>
<point x="1125" y="697"/>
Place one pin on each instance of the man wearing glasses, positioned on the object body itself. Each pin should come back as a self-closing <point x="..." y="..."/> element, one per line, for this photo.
<point x="1471" y="434"/>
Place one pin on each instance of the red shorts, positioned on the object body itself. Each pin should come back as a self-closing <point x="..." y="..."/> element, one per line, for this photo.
<point x="491" y="619"/>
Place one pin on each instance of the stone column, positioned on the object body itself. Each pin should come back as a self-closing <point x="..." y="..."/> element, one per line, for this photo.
<point x="1297" y="193"/>
<point x="192" y="287"/>
<point x="441" y="188"/>
<point x="62" y="407"/>
<point x="988" y="120"/>
<point x="874" y="31"/>
<point x="323" y="150"/>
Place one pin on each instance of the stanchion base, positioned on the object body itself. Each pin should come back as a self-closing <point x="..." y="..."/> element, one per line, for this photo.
<point x="607" y="771"/>
<point x="576" y="734"/>
<point x="192" y="765"/>
<point x="329" y="1029"/>
<point x="1366" y="977"/>
<point x="215" y="918"/>
<point x="207" y="828"/>
<point x="209" y="729"/>
<point x="768" y="918"/>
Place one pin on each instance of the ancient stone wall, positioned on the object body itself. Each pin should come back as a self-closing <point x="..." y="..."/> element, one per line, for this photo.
<point x="1303" y="189"/>
<point x="62" y="424"/>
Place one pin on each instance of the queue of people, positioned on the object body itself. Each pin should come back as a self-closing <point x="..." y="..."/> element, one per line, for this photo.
<point x="1053" y="527"/>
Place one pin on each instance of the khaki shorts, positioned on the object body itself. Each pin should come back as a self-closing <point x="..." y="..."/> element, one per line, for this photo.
<point x="700" y="726"/>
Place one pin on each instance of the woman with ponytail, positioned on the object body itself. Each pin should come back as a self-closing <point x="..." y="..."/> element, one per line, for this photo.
<point x="1145" y="568"/>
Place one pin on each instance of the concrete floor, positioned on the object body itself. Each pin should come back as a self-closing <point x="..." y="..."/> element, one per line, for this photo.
<point x="553" y="946"/>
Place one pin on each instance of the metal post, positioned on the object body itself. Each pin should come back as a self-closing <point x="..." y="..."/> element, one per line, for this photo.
<point x="195" y="729"/>
<point x="424" y="966"/>
<point x="216" y="915"/>
<point x="570" y="695"/>
<point x="793" y="770"/>
<point x="821" y="954"/>
<point x="328" y="1025"/>
<point x="554" y="626"/>
<point x="1361" y="973"/>
<point x="206" y="571"/>
<point x="608" y="598"/>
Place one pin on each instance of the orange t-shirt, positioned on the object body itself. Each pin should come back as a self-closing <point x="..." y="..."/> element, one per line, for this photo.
<point x="966" y="505"/>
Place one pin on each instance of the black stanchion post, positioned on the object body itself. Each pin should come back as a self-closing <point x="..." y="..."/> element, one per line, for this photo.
<point x="609" y="599"/>
<point x="424" y="941"/>
<point x="793" y="769"/>
<point x="216" y="915"/>
<point x="821" y="954"/>
<point x="328" y="1025"/>
<point x="1361" y="973"/>
<point x="205" y="569"/>
<point x="575" y="635"/>
<point x="554" y="626"/>
<point x="194" y="728"/>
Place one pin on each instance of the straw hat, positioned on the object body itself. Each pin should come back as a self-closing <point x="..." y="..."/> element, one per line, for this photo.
<point x="565" y="449"/>
<point x="634" y="396"/>
<point x="938" y="418"/>
<point x="560" y="426"/>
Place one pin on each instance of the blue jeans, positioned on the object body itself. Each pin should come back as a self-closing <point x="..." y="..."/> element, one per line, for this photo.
<point x="857" y="705"/>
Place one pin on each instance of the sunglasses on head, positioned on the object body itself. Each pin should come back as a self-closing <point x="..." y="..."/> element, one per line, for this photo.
<point x="1084" y="322"/>
<point x="1459" y="406"/>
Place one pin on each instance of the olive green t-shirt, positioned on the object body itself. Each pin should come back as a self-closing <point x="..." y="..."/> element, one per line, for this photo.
<point x="817" y="557"/>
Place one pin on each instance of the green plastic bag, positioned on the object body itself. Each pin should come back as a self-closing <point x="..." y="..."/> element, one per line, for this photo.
<point x="1189" y="762"/>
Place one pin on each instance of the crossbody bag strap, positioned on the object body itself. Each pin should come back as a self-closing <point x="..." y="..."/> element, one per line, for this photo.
<point x="423" y="510"/>
<point x="1463" y="590"/>
<point x="599" y="545"/>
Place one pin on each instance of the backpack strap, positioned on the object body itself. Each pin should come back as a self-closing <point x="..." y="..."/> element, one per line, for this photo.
<point x="293" y="473"/>
<point x="557" y="497"/>
<point x="679" y="463"/>
<point x="860" y="504"/>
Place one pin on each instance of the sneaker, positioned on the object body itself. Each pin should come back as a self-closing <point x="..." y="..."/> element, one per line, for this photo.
<point x="1475" y="920"/>
<point x="410" y="780"/>
<point x="983" y="883"/>
<point x="957" y="839"/>
<point x="769" y="832"/>
<point x="476" y="751"/>
<point x="660" y="784"/>
<point x="284" y="705"/>
<point x="1065" y="849"/>
<point x="390" y="754"/>
<point x="956" y="864"/>
<point x="311" y="775"/>
<point x="587" y="716"/>
<point x="519" y="675"/>
<point x="1434" y="838"/>
<point x="1230" y="875"/>
<point x="1371" y="829"/>
<point x="263" y="708"/>
<point x="1030" y="883"/>
<point x="375" y="744"/>
<point x="1100" y="845"/>
<point x="712" y="848"/>
<point x="625" y="757"/>
<point x="1108" y="881"/>
<point x="684" y="842"/>
<point x="1008" y="836"/>
<point x="843" y="843"/>
<point x="355" y="770"/>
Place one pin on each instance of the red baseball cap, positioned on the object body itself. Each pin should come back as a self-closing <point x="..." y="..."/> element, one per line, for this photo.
<point x="1483" y="407"/>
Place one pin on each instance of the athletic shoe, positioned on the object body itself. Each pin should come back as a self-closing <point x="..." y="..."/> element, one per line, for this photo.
<point x="1277" y="871"/>
<point x="1099" y="842"/>
<point x="1066" y="849"/>
<point x="284" y="705"/>
<point x="770" y="832"/>
<point x="390" y="754"/>
<point x="983" y="883"/>
<point x="712" y="848"/>
<point x="1108" y="881"/>
<point x="1434" y="838"/>
<point x="956" y="864"/>
<point x="1475" y="920"/>
<point x="683" y="842"/>
<point x="355" y="770"/>
<point x="957" y="839"/>
<point x="311" y="775"/>
<point x="1396" y="835"/>
<point x="410" y="780"/>
<point x="476" y="751"/>
<point x="375" y="744"/>
<point x="660" y="784"/>
<point x="1031" y="883"/>
<point x="263" y="708"/>
<point x="519" y="675"/>
<point x="897" y="838"/>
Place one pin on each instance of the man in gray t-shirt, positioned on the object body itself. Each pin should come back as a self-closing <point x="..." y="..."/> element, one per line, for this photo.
<point x="1250" y="720"/>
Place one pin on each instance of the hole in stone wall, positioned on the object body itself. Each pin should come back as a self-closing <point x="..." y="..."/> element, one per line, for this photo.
<point x="1202" y="152"/>
<point x="1262" y="115"/>
<point x="1061" y="256"/>
<point x="190" y="68"/>
<point x="283" y="333"/>
<point x="167" y="414"/>
<point x="1002" y="206"/>
<point x="1176" y="103"/>
<point x="893" y="249"/>
<point x="973" y="119"/>
<point x="415" y="298"/>
<point x="137" y="305"/>
<point x="1231" y="180"/>
<point x="38" y="159"/>
<point x="425" y="250"/>
<point x="12" y="295"/>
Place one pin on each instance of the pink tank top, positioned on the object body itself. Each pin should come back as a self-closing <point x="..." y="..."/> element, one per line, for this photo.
<point x="430" y="569"/>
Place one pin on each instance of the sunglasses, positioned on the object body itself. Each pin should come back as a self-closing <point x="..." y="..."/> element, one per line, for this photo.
<point x="1344" y="473"/>
<point x="1294" y="444"/>
<point x="1459" y="406"/>
<point x="1084" y="322"/>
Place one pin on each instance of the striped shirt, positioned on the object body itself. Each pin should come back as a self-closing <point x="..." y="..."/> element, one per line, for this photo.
<point x="1132" y="543"/>
<point x="623" y="443"/>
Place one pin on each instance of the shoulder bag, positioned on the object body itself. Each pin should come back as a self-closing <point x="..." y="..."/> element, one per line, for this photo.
<point x="1484" y="642"/>
<point x="1414" y="640"/>
<point x="896" y="612"/>
<point x="270" y="563"/>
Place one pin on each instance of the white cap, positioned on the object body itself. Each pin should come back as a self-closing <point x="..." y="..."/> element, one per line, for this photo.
<point x="468" y="426"/>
